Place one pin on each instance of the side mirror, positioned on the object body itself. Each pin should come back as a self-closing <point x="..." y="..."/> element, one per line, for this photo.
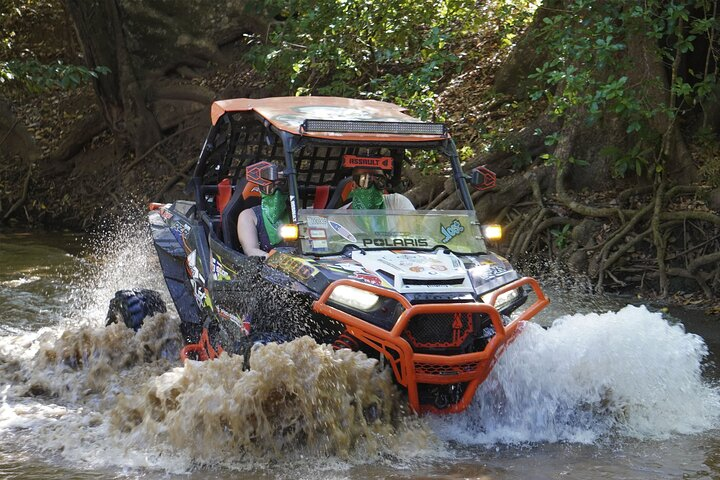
<point x="483" y="178"/>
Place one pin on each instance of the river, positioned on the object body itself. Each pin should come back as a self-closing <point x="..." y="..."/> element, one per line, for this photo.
<point x="610" y="390"/>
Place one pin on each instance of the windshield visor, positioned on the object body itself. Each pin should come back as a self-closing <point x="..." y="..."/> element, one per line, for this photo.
<point x="325" y="232"/>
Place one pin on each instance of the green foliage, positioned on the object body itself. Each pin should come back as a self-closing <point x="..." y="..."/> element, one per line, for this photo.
<point x="19" y="66"/>
<point x="561" y="235"/>
<point x="34" y="76"/>
<point x="586" y="43"/>
<point x="401" y="51"/>
<point x="634" y="160"/>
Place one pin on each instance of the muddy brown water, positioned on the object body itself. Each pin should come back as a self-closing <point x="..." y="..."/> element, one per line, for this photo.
<point x="610" y="390"/>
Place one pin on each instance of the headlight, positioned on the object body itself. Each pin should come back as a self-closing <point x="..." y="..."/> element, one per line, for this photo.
<point x="354" y="297"/>
<point x="289" y="231"/>
<point x="492" y="232"/>
<point x="502" y="299"/>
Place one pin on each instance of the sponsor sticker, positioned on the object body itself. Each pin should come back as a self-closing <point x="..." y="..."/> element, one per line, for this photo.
<point x="317" y="222"/>
<point x="319" y="244"/>
<point x="296" y="267"/>
<point x="219" y="272"/>
<point x="317" y="234"/>
<point x="395" y="242"/>
<point x="353" y="161"/>
<point x="367" y="278"/>
<point x="451" y="231"/>
<point x="343" y="232"/>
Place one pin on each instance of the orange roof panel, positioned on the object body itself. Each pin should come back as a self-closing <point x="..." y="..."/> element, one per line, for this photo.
<point x="288" y="113"/>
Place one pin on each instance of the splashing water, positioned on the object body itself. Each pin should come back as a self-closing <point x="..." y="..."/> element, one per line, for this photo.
<point x="298" y="398"/>
<point x="125" y="401"/>
<point x="108" y="398"/>
<point x="590" y="377"/>
<point x="120" y="258"/>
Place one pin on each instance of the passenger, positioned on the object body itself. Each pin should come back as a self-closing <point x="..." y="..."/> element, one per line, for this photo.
<point x="258" y="226"/>
<point x="368" y="192"/>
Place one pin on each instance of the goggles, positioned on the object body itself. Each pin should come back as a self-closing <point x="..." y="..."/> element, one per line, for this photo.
<point x="270" y="188"/>
<point x="368" y="179"/>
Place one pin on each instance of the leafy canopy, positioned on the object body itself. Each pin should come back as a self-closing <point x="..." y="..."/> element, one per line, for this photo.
<point x="403" y="51"/>
<point x="587" y="42"/>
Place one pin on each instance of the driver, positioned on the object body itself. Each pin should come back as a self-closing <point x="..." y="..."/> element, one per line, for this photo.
<point x="368" y="192"/>
<point x="258" y="227"/>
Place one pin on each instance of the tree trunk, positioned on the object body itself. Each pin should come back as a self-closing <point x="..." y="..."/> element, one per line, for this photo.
<point x="121" y="95"/>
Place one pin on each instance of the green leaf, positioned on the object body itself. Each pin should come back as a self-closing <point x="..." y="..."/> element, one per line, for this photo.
<point x="633" y="127"/>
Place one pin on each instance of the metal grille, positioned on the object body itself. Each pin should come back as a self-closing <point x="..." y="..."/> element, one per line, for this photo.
<point x="454" y="330"/>
<point x="444" y="370"/>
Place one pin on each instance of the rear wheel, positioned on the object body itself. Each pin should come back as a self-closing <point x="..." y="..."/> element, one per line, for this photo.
<point x="131" y="307"/>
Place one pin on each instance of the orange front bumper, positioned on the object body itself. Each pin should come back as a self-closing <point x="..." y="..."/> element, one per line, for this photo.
<point x="412" y="368"/>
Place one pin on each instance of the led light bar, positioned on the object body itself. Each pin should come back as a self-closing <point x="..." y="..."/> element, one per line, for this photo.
<point x="364" y="126"/>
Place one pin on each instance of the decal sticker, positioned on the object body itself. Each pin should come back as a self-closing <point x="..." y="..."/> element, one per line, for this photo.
<point x="319" y="245"/>
<point x="165" y="214"/>
<point x="488" y="269"/>
<point x="317" y="222"/>
<point x="192" y="266"/>
<point x="343" y="232"/>
<point x="452" y="230"/>
<point x="293" y="208"/>
<point x="292" y="266"/>
<point x="367" y="278"/>
<point x="201" y="295"/>
<point x="324" y="112"/>
<point x="254" y="173"/>
<point x="353" y="161"/>
<point x="317" y="233"/>
<point x="349" y="267"/>
<point x="219" y="272"/>
<point x="318" y="238"/>
<point x="394" y="242"/>
<point x="243" y="324"/>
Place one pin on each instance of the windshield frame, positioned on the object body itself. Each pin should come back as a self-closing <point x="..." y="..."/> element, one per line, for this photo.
<point x="294" y="143"/>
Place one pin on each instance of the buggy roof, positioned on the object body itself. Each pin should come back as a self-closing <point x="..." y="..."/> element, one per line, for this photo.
<point x="288" y="113"/>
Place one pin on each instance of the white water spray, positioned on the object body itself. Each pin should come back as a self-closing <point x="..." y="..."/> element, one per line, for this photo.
<point x="102" y="398"/>
<point x="591" y="376"/>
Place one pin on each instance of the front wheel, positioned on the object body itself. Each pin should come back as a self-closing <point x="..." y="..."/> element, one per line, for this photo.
<point x="131" y="307"/>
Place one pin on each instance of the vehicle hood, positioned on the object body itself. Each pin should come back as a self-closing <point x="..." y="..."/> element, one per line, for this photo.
<point x="405" y="271"/>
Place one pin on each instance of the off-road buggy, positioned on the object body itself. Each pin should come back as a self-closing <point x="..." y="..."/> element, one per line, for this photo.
<point x="417" y="289"/>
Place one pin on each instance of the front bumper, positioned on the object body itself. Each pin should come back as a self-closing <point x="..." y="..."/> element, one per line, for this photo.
<point x="412" y="368"/>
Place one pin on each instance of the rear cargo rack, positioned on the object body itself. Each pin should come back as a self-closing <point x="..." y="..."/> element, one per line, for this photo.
<point x="363" y="126"/>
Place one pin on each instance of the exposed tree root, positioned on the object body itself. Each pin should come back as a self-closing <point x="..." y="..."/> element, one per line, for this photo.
<point x="87" y="129"/>
<point x="140" y="158"/>
<point x="23" y="196"/>
<point x="623" y="231"/>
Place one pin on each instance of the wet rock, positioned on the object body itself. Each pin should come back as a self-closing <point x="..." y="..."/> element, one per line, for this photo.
<point x="583" y="233"/>
<point x="578" y="261"/>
